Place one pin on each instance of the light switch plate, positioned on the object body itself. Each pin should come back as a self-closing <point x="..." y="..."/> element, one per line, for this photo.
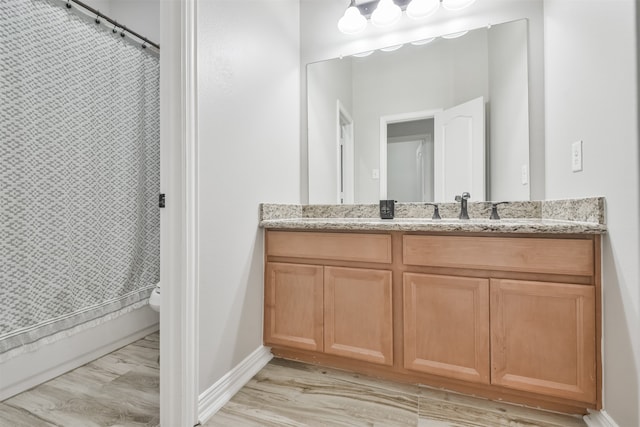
<point x="525" y="174"/>
<point x="576" y="156"/>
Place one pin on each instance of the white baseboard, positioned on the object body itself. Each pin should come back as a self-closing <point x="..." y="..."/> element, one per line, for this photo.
<point x="599" y="419"/>
<point x="216" y="396"/>
<point x="36" y="367"/>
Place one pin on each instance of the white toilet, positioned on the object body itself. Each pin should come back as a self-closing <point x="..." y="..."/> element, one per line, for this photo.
<point x="154" y="299"/>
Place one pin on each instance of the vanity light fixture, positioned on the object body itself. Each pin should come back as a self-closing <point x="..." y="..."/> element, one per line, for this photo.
<point x="456" y="4"/>
<point x="384" y="13"/>
<point x="363" y="54"/>
<point x="454" y="35"/>
<point x="423" y="41"/>
<point x="391" y="48"/>
<point x="352" y="22"/>
<point x="420" y="9"/>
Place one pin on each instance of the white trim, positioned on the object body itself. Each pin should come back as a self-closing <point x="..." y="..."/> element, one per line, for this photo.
<point x="216" y="396"/>
<point x="396" y="118"/>
<point x="179" y="221"/>
<point x="348" y="195"/>
<point x="47" y="362"/>
<point x="599" y="419"/>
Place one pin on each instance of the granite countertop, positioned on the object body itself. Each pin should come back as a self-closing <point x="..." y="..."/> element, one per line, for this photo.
<point x="570" y="216"/>
<point x="511" y="225"/>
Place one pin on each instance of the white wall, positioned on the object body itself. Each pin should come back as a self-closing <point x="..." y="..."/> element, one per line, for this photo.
<point x="249" y="117"/>
<point x="381" y="88"/>
<point x="321" y="40"/>
<point x="141" y="16"/>
<point x="508" y="145"/>
<point x="592" y="95"/>
<point x="329" y="81"/>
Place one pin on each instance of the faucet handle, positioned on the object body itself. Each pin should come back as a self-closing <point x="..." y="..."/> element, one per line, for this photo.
<point x="436" y="210"/>
<point x="465" y="196"/>
<point x="494" y="209"/>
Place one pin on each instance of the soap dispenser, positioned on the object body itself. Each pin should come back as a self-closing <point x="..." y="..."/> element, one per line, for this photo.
<point x="387" y="209"/>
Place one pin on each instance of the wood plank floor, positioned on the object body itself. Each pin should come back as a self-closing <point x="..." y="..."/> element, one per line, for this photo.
<point x="121" y="389"/>
<point x="287" y="393"/>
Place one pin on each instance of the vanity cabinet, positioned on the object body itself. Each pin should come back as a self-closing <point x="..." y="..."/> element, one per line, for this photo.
<point x="293" y="301"/>
<point x="543" y="338"/>
<point x="358" y="320"/>
<point x="511" y="317"/>
<point x="336" y="310"/>
<point x="446" y="326"/>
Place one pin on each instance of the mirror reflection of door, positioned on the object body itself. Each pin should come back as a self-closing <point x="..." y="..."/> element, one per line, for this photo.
<point x="460" y="151"/>
<point x="410" y="161"/>
<point x="346" y="166"/>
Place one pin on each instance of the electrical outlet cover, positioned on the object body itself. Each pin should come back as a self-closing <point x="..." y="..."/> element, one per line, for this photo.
<point x="576" y="156"/>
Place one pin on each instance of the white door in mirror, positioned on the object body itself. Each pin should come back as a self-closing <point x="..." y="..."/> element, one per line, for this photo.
<point x="459" y="154"/>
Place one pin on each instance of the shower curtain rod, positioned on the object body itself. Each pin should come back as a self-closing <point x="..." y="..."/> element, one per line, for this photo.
<point x="111" y="21"/>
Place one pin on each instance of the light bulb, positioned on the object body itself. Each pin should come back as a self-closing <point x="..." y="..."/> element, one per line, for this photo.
<point x="387" y="13"/>
<point x="420" y="9"/>
<point x="456" y="4"/>
<point x="352" y="22"/>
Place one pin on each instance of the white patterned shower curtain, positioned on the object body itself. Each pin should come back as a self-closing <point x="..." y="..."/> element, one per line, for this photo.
<point x="79" y="173"/>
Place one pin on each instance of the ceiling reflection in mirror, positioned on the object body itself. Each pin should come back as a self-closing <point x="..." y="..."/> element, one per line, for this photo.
<point x="396" y="124"/>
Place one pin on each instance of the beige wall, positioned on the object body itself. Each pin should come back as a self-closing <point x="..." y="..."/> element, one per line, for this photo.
<point x="508" y="144"/>
<point x="592" y="95"/>
<point x="248" y="152"/>
<point x="141" y="16"/>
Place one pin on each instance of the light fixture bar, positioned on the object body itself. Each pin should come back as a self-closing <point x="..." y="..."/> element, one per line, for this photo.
<point x="385" y="13"/>
<point x="366" y="9"/>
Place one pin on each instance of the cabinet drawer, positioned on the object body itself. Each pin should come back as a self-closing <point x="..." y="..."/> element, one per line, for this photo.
<point x="333" y="246"/>
<point x="535" y="255"/>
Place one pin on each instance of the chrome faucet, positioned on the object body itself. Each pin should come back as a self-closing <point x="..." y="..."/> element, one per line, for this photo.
<point x="436" y="211"/>
<point x="463" y="205"/>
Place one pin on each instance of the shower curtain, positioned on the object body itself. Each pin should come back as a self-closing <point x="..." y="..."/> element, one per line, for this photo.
<point x="79" y="173"/>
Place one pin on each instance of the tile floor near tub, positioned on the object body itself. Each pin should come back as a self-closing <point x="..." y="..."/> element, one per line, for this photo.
<point x="288" y="393"/>
<point x="121" y="389"/>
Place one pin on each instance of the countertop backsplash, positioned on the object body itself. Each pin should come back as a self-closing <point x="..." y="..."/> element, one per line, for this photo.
<point x="590" y="210"/>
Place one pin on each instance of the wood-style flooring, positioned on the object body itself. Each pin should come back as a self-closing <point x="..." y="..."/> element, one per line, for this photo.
<point x="287" y="393"/>
<point x="122" y="389"/>
<point x="119" y="389"/>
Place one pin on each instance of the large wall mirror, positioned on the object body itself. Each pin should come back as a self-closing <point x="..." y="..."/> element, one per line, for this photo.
<point x="423" y="121"/>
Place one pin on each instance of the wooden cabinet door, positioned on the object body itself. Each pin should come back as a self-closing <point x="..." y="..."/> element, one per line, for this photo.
<point x="358" y="318"/>
<point x="543" y="338"/>
<point x="446" y="326"/>
<point x="293" y="306"/>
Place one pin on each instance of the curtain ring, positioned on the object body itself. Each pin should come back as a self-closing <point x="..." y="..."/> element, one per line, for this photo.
<point x="68" y="4"/>
<point x="97" y="20"/>
<point x="122" y="33"/>
<point x="115" y="29"/>
<point x="144" y="45"/>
